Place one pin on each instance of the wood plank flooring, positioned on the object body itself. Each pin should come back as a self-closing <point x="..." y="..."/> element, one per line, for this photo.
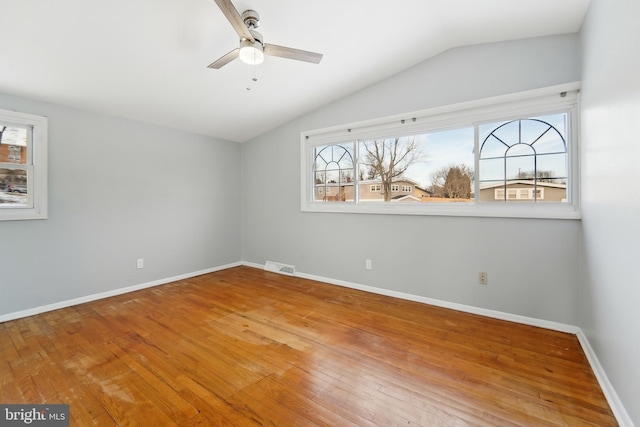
<point x="247" y="347"/>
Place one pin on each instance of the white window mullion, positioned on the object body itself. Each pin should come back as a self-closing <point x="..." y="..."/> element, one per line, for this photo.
<point x="476" y="162"/>
<point x="356" y="168"/>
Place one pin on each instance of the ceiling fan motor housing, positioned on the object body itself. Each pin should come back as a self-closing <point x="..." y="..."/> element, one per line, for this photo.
<point x="257" y="36"/>
<point x="251" y="18"/>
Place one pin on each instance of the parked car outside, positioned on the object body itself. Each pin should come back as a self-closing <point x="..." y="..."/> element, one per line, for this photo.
<point x="17" y="188"/>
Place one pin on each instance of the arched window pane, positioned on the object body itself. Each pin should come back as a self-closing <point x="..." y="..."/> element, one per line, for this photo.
<point x="334" y="173"/>
<point x="520" y="150"/>
<point x="550" y="142"/>
<point x="535" y="165"/>
<point x="493" y="147"/>
<point x="508" y="133"/>
<point x="532" y="130"/>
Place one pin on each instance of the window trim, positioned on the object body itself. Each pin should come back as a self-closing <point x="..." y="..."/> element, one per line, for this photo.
<point x="547" y="100"/>
<point x="37" y="184"/>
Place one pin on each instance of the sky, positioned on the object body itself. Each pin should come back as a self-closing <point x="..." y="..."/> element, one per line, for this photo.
<point x="14" y="135"/>
<point x="439" y="150"/>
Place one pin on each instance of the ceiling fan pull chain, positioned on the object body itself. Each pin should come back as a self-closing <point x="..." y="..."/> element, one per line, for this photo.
<point x="251" y="74"/>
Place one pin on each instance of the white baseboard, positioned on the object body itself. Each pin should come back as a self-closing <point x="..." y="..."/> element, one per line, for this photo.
<point x="562" y="327"/>
<point x="107" y="294"/>
<point x="622" y="416"/>
<point x="607" y="388"/>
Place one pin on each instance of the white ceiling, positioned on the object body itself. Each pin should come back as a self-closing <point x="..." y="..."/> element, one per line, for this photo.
<point x="147" y="59"/>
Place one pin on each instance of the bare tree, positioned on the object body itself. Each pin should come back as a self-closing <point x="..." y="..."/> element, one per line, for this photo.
<point x="438" y="178"/>
<point x="452" y="182"/>
<point x="388" y="159"/>
<point x="346" y="176"/>
<point x="371" y="174"/>
<point x="540" y="175"/>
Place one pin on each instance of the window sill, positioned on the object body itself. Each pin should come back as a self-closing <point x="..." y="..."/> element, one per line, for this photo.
<point x="21" y="214"/>
<point x="550" y="211"/>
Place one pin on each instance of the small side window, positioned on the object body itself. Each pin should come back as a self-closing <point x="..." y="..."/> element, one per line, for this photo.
<point x="23" y="166"/>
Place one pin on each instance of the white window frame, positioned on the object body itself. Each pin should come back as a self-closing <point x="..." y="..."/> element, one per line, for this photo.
<point x="36" y="168"/>
<point x="560" y="98"/>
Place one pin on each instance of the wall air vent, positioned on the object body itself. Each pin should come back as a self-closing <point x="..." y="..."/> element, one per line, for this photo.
<point x="278" y="267"/>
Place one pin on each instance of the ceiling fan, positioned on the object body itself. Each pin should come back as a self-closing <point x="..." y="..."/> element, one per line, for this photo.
<point x="252" y="49"/>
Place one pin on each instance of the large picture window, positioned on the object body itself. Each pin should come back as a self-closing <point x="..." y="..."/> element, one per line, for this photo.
<point x="510" y="156"/>
<point x="23" y="166"/>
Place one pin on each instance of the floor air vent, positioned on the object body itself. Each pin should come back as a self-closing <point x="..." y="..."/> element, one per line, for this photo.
<point x="277" y="267"/>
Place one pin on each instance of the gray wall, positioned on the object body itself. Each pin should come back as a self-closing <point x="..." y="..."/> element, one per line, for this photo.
<point x="610" y="289"/>
<point x="120" y="190"/>
<point x="532" y="264"/>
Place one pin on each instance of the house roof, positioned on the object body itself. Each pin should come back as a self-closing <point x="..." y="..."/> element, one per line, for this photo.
<point x="404" y="198"/>
<point x="522" y="182"/>
<point x="397" y="180"/>
<point x="147" y="60"/>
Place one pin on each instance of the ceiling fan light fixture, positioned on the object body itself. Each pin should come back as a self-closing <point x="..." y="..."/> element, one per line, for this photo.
<point x="251" y="52"/>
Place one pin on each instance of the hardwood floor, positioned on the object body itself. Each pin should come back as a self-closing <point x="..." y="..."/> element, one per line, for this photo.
<point x="247" y="347"/>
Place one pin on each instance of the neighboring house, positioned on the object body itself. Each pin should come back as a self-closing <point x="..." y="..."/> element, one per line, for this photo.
<point x="10" y="153"/>
<point x="402" y="190"/>
<point x="523" y="191"/>
<point x="12" y="180"/>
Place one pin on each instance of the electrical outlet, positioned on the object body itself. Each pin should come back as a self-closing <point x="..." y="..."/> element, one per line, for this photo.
<point x="140" y="263"/>
<point x="482" y="278"/>
<point x="367" y="264"/>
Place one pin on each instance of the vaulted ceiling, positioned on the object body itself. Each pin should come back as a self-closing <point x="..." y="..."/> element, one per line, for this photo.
<point x="147" y="59"/>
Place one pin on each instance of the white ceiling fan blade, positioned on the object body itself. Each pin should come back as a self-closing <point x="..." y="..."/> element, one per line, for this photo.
<point x="291" y="53"/>
<point x="234" y="18"/>
<point x="224" y="60"/>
